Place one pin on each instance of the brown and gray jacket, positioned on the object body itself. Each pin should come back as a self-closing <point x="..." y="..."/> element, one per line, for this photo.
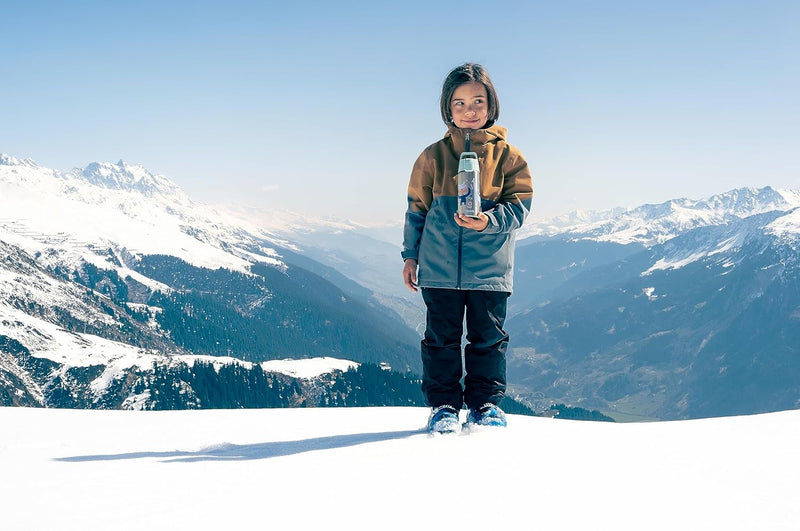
<point x="450" y="256"/>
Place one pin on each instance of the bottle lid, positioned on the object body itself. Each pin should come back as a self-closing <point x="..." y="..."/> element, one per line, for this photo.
<point x="468" y="161"/>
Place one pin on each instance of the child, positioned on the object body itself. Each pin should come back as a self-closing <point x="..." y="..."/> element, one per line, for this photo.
<point x="464" y="265"/>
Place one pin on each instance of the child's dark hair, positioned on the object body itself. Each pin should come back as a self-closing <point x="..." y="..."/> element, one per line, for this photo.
<point x="464" y="74"/>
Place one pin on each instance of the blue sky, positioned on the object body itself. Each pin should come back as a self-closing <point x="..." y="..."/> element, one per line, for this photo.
<point x="322" y="107"/>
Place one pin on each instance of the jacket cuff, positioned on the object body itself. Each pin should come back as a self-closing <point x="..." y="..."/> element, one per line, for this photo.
<point x="493" y="226"/>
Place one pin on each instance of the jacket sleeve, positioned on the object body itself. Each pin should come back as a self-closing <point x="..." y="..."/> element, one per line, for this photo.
<point x="420" y="196"/>
<point x="515" y="201"/>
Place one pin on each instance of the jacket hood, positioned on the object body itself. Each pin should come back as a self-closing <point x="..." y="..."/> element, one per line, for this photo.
<point x="477" y="137"/>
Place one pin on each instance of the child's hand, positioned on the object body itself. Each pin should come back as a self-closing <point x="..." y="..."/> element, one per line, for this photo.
<point x="479" y="223"/>
<point x="410" y="274"/>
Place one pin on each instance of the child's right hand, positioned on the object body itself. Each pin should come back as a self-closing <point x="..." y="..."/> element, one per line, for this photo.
<point x="410" y="274"/>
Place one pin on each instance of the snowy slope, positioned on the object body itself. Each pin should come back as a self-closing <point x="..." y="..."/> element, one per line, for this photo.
<point x="373" y="468"/>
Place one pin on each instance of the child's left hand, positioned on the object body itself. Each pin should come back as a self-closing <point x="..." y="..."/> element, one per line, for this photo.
<point x="479" y="223"/>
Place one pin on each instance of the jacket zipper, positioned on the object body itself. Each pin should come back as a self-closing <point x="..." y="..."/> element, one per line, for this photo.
<point x="460" y="247"/>
<point x="461" y="229"/>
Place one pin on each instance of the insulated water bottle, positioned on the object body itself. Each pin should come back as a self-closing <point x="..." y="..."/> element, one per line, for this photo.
<point x="469" y="184"/>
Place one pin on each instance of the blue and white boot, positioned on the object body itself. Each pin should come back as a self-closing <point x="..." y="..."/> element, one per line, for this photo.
<point x="444" y="419"/>
<point x="486" y="415"/>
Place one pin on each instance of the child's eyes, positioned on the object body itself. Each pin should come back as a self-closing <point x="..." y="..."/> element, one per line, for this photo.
<point x="477" y="102"/>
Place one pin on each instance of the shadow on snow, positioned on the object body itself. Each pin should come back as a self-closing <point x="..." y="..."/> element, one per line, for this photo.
<point x="246" y="452"/>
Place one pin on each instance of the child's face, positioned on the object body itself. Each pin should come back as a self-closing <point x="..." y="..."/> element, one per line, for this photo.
<point x="469" y="106"/>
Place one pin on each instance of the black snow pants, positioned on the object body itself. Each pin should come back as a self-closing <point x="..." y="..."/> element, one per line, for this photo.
<point x="484" y="367"/>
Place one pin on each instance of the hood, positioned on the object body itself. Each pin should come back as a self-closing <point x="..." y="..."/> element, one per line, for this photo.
<point x="477" y="137"/>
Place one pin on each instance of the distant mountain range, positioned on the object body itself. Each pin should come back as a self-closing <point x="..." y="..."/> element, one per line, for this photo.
<point x="683" y="309"/>
<point x="112" y="280"/>
<point x="110" y="270"/>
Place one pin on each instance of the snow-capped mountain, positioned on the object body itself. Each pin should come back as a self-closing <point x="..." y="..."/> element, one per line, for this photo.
<point x="125" y="208"/>
<point x="555" y="250"/>
<point x="110" y="268"/>
<point x="652" y="224"/>
<point x="679" y="310"/>
<point x="122" y="176"/>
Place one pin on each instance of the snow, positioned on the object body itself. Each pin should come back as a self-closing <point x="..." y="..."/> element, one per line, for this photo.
<point x="786" y="225"/>
<point x="374" y="468"/>
<point x="649" y="292"/>
<point x="365" y="468"/>
<point x="105" y="205"/>
<point x="75" y="349"/>
<point x="653" y="224"/>
<point x="298" y="368"/>
<point x="674" y="263"/>
<point x="47" y="340"/>
<point x="308" y="368"/>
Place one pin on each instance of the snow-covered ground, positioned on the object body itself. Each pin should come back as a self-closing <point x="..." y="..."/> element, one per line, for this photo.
<point x="373" y="468"/>
<point x="308" y="368"/>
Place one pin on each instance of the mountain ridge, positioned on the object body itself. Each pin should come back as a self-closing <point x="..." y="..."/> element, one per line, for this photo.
<point x="111" y="263"/>
<point x="656" y="223"/>
<point x="699" y="322"/>
<point x="636" y="312"/>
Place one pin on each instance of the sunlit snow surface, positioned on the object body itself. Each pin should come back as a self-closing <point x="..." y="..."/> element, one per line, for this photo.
<point x="308" y="368"/>
<point x="373" y="468"/>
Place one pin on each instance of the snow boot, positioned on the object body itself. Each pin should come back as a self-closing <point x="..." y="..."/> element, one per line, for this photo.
<point x="444" y="419"/>
<point x="486" y="415"/>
